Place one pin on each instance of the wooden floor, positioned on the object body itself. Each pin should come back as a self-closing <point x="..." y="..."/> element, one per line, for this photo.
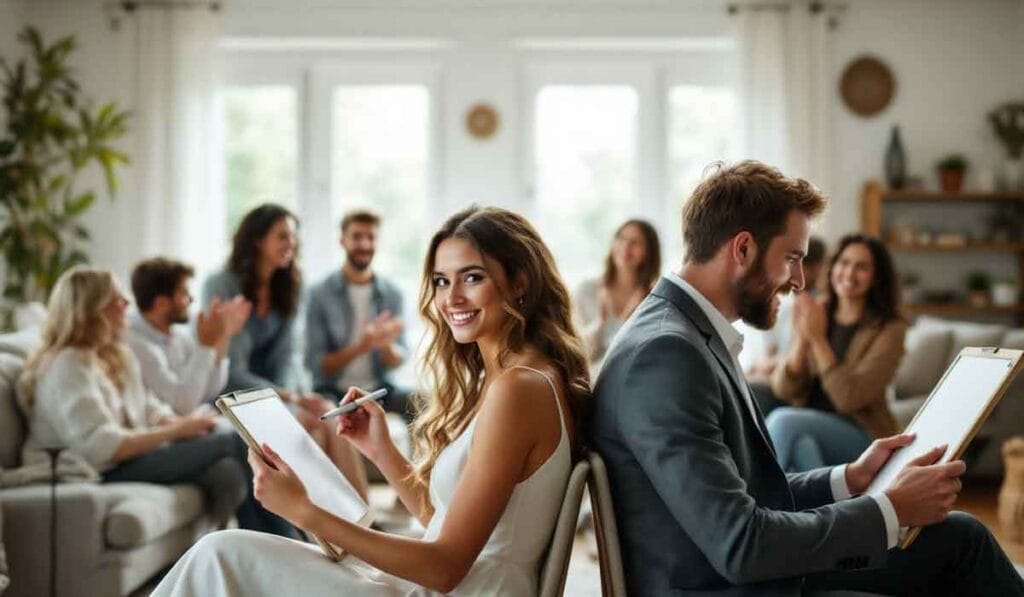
<point x="979" y="498"/>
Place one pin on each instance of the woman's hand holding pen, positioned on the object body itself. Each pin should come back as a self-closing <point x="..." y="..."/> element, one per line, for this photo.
<point x="366" y="428"/>
<point x="276" y="486"/>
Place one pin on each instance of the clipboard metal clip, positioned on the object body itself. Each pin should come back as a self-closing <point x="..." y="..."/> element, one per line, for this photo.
<point x="990" y="349"/>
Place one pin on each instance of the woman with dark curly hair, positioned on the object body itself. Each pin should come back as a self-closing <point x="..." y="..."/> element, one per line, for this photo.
<point x="845" y="354"/>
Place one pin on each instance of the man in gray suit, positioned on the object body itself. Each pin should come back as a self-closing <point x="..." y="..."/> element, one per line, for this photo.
<point x="701" y="503"/>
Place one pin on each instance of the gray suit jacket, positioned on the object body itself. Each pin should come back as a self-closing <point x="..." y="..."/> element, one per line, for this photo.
<point x="700" y="501"/>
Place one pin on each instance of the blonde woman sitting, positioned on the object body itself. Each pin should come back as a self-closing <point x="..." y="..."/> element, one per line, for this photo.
<point x="495" y="442"/>
<point x="83" y="391"/>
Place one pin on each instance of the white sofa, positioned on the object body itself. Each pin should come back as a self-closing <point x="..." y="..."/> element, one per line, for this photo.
<point x="111" y="537"/>
<point x="932" y="344"/>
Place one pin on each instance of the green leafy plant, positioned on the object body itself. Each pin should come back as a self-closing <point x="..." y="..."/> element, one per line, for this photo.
<point x="952" y="163"/>
<point x="1008" y="122"/>
<point x="52" y="135"/>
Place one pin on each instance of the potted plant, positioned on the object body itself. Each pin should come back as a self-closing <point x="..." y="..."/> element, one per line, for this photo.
<point x="1005" y="292"/>
<point x="52" y="135"/>
<point x="951" y="172"/>
<point x="978" y="286"/>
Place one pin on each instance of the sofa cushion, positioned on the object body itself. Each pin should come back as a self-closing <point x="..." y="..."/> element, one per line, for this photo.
<point x="927" y="351"/>
<point x="21" y="343"/>
<point x="12" y="426"/>
<point x="142" y="512"/>
<point x="965" y="333"/>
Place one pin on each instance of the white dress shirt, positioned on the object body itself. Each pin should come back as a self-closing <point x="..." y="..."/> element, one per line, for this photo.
<point x="733" y="341"/>
<point x="175" y="367"/>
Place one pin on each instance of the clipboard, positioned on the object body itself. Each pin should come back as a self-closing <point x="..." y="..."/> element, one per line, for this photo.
<point x="954" y="412"/>
<point x="260" y="416"/>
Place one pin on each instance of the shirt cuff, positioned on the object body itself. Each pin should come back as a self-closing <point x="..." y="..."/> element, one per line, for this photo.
<point x="892" y="524"/>
<point x="840" y="490"/>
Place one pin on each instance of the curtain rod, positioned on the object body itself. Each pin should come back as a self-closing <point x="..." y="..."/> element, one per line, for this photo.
<point x="133" y="5"/>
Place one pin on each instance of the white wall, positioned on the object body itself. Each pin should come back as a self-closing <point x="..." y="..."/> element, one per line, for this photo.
<point x="953" y="61"/>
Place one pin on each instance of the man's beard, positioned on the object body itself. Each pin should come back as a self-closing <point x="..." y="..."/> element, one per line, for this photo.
<point x="358" y="264"/>
<point x="754" y="298"/>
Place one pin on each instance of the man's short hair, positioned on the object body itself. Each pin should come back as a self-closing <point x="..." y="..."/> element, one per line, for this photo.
<point x="748" y="196"/>
<point x="815" y="251"/>
<point x="359" y="216"/>
<point x="157" y="277"/>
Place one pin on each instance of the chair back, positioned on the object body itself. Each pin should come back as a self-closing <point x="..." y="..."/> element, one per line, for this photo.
<point x="555" y="566"/>
<point x="613" y="580"/>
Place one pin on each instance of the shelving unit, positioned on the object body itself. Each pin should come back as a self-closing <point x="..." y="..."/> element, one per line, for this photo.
<point x="875" y="197"/>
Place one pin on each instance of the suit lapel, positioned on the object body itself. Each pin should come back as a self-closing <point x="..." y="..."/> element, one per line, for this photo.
<point x="671" y="292"/>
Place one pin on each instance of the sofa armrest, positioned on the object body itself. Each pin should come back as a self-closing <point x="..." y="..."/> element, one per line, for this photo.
<point x="81" y="511"/>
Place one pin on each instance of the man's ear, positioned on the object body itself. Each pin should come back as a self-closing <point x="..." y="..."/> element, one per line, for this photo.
<point x="744" y="250"/>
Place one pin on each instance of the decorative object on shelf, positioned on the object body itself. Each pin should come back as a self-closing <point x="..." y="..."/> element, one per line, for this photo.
<point x="867" y="86"/>
<point x="1005" y="293"/>
<point x="1008" y="121"/>
<point x="1006" y="222"/>
<point x="52" y="135"/>
<point x="895" y="161"/>
<point x="482" y="121"/>
<point x="979" y="285"/>
<point x="910" y="288"/>
<point x="1010" y="510"/>
<point x="951" y="240"/>
<point x="951" y="172"/>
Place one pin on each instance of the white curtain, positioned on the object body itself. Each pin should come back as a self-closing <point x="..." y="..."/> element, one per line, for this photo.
<point x="173" y="117"/>
<point x="785" y="87"/>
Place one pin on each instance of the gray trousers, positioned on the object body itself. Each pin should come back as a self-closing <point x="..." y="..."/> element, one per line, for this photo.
<point x="216" y="462"/>
<point x="955" y="557"/>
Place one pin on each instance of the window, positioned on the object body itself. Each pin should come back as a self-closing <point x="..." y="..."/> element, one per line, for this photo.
<point x="260" y="148"/>
<point x="701" y="127"/>
<point x="585" y="170"/>
<point x="379" y="161"/>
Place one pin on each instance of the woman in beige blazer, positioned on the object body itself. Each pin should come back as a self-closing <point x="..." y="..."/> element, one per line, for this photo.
<point x="846" y="353"/>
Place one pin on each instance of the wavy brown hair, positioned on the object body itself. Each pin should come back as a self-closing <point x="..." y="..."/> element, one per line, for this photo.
<point x="286" y="282"/>
<point x="540" y="318"/>
<point x="650" y="268"/>
<point x="75" y="320"/>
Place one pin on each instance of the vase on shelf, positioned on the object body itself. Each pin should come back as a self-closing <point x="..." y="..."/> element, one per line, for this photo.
<point x="895" y="161"/>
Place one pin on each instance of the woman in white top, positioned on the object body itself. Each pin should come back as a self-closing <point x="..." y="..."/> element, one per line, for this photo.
<point x="495" y="442"/>
<point x="603" y="304"/>
<point x="83" y="391"/>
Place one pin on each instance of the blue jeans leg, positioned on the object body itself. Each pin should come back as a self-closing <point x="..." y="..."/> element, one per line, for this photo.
<point x="806" y="439"/>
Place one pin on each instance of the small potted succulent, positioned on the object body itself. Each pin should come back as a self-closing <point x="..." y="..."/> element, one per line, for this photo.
<point x="979" y="284"/>
<point x="951" y="172"/>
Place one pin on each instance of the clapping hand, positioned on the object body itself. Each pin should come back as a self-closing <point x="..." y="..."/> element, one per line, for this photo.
<point x="382" y="332"/>
<point x="809" y="317"/>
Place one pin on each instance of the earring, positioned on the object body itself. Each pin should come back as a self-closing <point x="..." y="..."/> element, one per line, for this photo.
<point x="521" y="301"/>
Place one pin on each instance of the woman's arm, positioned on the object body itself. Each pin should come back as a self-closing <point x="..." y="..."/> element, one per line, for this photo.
<point x="508" y="427"/>
<point x="140" y="442"/>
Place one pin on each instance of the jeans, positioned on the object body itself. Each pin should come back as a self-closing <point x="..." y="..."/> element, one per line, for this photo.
<point x="807" y="439"/>
<point x="216" y="462"/>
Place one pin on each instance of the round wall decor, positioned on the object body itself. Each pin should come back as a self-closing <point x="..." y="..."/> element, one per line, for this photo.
<point x="482" y="121"/>
<point x="867" y="86"/>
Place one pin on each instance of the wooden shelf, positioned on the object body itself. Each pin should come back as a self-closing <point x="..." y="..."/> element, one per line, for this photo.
<point x="961" y="309"/>
<point x="972" y="248"/>
<point x="940" y="197"/>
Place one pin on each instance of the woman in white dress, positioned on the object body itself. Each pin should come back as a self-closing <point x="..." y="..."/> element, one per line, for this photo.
<point x="494" y="442"/>
<point x="602" y="305"/>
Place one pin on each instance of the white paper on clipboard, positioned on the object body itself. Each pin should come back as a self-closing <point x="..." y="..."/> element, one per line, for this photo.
<point x="264" y="417"/>
<point x="954" y="410"/>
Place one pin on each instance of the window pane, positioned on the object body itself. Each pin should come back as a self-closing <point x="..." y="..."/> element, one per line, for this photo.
<point x="701" y="130"/>
<point x="379" y="161"/>
<point x="586" y="171"/>
<point x="260" y="148"/>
